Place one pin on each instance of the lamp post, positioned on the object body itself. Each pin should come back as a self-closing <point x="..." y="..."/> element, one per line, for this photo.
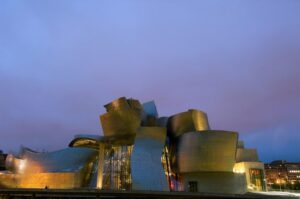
<point x="279" y="181"/>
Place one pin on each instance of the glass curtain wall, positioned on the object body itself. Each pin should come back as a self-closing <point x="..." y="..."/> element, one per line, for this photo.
<point x="173" y="178"/>
<point x="256" y="178"/>
<point x="117" y="171"/>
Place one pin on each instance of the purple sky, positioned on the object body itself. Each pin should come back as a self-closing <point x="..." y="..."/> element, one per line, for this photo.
<point x="239" y="61"/>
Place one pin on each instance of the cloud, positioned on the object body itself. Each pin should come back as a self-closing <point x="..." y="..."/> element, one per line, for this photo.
<point x="59" y="63"/>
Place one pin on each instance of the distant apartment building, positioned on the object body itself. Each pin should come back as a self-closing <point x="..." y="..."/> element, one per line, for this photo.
<point x="2" y="160"/>
<point x="282" y="174"/>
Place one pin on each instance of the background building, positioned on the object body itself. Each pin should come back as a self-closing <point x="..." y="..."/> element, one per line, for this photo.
<point x="281" y="174"/>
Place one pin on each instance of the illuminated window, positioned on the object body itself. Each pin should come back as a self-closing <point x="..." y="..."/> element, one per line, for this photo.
<point x="256" y="178"/>
<point x="117" y="171"/>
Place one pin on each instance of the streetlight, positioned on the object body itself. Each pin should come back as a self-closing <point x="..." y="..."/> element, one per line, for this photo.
<point x="279" y="181"/>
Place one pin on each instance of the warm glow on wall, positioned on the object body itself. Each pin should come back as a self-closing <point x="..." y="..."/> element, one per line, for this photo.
<point x="22" y="166"/>
<point x="238" y="168"/>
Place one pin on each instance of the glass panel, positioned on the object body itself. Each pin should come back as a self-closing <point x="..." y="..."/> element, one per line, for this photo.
<point x="256" y="178"/>
<point x="117" y="171"/>
<point x="174" y="180"/>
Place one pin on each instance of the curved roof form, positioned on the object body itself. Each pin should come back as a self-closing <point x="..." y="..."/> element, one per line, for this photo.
<point x="87" y="141"/>
<point x="191" y="120"/>
<point x="66" y="160"/>
<point x="90" y="136"/>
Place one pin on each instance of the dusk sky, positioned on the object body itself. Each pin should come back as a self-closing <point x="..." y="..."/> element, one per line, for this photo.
<point x="239" y="61"/>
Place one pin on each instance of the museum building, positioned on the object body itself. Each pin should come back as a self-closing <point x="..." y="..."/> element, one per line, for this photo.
<point x="141" y="151"/>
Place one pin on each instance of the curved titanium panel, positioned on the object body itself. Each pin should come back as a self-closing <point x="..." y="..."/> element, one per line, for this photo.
<point x="146" y="167"/>
<point x="123" y="117"/>
<point x="123" y="122"/>
<point x="192" y="120"/>
<point x="67" y="168"/>
<point x="123" y="103"/>
<point x="66" y="160"/>
<point x="206" y="151"/>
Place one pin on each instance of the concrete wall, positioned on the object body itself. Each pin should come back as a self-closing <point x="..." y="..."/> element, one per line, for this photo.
<point x="41" y="180"/>
<point x="216" y="182"/>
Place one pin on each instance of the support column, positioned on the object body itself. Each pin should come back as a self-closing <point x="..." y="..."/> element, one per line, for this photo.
<point x="100" y="166"/>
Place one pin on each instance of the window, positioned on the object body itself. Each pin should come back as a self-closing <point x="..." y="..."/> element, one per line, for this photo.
<point x="256" y="178"/>
<point x="193" y="186"/>
<point x="116" y="168"/>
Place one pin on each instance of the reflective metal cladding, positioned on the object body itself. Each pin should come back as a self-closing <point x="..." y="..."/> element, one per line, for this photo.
<point x="87" y="141"/>
<point x="147" y="171"/>
<point x="189" y="121"/>
<point x="206" y="151"/>
<point x="123" y="117"/>
<point x="141" y="151"/>
<point x="67" y="168"/>
<point x="66" y="160"/>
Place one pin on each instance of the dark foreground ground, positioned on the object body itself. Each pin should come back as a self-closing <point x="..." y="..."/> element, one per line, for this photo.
<point x="84" y="193"/>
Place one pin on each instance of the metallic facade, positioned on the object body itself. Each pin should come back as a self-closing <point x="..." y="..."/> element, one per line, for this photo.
<point x="85" y="141"/>
<point x="66" y="160"/>
<point x="123" y="117"/>
<point x="206" y="151"/>
<point x="248" y="164"/>
<point x="147" y="171"/>
<point x="67" y="168"/>
<point x="189" y="121"/>
<point x="141" y="151"/>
